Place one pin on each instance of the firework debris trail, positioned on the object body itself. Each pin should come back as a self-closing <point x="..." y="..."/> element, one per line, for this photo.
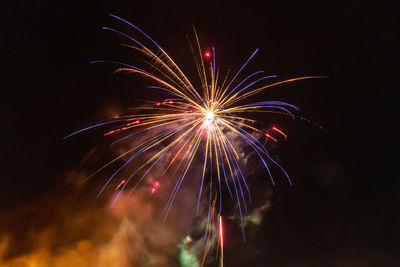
<point x="221" y="240"/>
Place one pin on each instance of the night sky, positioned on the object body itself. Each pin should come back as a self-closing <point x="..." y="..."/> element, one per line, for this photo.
<point x="342" y="209"/>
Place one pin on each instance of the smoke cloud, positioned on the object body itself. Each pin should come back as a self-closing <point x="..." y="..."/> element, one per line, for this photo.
<point x="74" y="228"/>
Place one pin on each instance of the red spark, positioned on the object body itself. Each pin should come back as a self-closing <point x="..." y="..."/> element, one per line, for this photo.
<point x="122" y="182"/>
<point x="158" y="103"/>
<point x="271" y="137"/>
<point x="207" y="54"/>
<point x="156" y="185"/>
<point x="171" y="102"/>
<point x="279" y="131"/>
<point x="137" y="121"/>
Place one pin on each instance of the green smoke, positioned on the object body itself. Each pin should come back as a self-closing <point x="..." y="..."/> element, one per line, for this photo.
<point x="186" y="258"/>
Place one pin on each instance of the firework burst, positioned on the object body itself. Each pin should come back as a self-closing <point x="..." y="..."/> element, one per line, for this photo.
<point x="194" y="126"/>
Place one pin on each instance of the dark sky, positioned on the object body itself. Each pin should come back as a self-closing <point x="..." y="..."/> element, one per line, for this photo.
<point x="342" y="209"/>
